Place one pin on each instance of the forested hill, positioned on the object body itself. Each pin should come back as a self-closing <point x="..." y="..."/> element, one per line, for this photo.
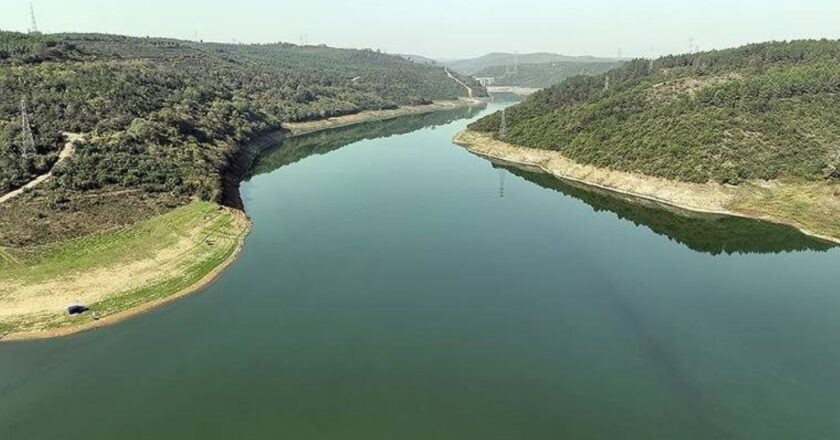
<point x="471" y="66"/>
<point x="164" y="115"/>
<point x="763" y="111"/>
<point x="541" y="75"/>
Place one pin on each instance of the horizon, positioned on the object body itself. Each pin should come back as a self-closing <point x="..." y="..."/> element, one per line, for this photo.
<point x="423" y="30"/>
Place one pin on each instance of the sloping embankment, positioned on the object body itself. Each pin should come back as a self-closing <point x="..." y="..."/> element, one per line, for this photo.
<point x="813" y="208"/>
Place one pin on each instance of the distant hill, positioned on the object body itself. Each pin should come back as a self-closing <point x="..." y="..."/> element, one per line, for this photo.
<point x="543" y="75"/>
<point x="472" y="66"/>
<point x="763" y="111"/>
<point x="419" y="59"/>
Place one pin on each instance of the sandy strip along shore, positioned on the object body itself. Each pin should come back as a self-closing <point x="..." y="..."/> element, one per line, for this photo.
<point x="766" y="201"/>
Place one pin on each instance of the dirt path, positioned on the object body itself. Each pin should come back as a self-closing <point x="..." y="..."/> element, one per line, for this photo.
<point x="66" y="152"/>
<point x="469" y="89"/>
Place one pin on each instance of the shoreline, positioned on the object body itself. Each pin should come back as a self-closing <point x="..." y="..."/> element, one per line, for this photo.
<point x="515" y="90"/>
<point x="232" y="179"/>
<point x="710" y="198"/>
<point x="303" y="128"/>
<point x="144" y="308"/>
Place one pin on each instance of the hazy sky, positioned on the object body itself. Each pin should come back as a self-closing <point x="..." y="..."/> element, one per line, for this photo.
<point x="449" y="28"/>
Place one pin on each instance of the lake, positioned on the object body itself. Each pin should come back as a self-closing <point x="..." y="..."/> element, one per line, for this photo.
<point x="396" y="286"/>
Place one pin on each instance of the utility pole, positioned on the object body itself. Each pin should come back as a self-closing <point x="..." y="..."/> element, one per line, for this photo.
<point x="33" y="27"/>
<point x="28" y="149"/>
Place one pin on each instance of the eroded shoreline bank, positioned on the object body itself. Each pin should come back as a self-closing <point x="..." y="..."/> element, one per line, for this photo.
<point x="760" y="201"/>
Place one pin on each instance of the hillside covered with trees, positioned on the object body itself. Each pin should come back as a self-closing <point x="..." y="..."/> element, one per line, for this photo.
<point x="541" y="75"/>
<point x="162" y="118"/>
<point x="471" y="66"/>
<point x="762" y="111"/>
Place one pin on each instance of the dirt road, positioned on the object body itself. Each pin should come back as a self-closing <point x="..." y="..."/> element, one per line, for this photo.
<point x="66" y="152"/>
<point x="469" y="89"/>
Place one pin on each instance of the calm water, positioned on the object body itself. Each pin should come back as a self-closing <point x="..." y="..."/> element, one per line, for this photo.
<point x="388" y="291"/>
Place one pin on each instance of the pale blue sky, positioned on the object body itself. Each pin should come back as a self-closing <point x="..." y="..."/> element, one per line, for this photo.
<point x="449" y="28"/>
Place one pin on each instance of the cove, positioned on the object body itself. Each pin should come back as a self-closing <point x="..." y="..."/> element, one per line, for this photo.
<point x="397" y="286"/>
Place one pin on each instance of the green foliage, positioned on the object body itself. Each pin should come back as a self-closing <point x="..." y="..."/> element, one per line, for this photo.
<point x="166" y="115"/>
<point x="543" y="74"/>
<point x="473" y="65"/>
<point x="763" y="111"/>
<point x="23" y="48"/>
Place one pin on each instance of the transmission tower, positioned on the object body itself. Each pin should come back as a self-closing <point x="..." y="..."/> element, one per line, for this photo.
<point x="516" y="63"/>
<point x="28" y="149"/>
<point x="607" y="82"/>
<point x="33" y="27"/>
<point x="503" y="126"/>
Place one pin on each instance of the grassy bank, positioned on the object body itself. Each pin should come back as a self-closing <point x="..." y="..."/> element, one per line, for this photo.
<point x="118" y="273"/>
<point x="811" y="207"/>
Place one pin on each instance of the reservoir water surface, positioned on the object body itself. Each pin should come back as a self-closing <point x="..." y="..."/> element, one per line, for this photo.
<point x="396" y="286"/>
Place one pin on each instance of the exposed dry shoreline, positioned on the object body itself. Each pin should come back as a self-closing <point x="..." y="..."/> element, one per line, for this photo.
<point x="740" y="201"/>
<point x="124" y="315"/>
<point x="516" y="90"/>
<point x="232" y="178"/>
<point x="303" y="128"/>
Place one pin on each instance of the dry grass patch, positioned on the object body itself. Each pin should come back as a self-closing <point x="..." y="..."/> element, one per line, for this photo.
<point x="812" y="207"/>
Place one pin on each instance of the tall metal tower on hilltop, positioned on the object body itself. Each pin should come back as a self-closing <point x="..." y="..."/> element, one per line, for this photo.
<point x="516" y="63"/>
<point x="33" y="26"/>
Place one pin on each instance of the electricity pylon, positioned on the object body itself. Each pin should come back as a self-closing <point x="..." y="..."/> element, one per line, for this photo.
<point x="503" y="126"/>
<point x="33" y="27"/>
<point x="28" y="149"/>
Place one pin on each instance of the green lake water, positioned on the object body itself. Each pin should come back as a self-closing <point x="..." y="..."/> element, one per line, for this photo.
<point x="396" y="286"/>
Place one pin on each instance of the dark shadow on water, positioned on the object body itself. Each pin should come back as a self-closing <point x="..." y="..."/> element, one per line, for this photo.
<point x="299" y="148"/>
<point x="713" y="234"/>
